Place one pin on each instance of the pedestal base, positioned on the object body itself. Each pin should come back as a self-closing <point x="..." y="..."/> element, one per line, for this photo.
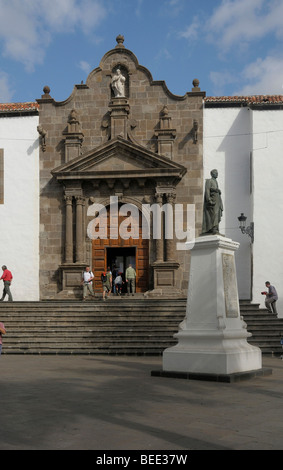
<point x="227" y="378"/>
<point x="212" y="339"/>
<point x="212" y="355"/>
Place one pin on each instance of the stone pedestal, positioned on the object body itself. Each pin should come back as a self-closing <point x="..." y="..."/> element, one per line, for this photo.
<point x="71" y="280"/>
<point x="165" y="280"/>
<point x="212" y="339"/>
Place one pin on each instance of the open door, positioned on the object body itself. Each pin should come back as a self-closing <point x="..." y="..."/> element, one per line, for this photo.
<point x="121" y="253"/>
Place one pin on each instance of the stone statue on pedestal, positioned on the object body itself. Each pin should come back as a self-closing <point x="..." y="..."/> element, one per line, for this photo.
<point x="118" y="84"/>
<point x="212" y="206"/>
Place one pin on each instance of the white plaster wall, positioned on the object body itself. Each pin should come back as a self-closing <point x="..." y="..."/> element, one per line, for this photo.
<point x="227" y="147"/>
<point x="268" y="203"/>
<point x="19" y="215"/>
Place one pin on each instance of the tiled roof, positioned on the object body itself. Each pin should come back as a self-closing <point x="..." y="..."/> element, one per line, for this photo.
<point x="245" y="100"/>
<point x="18" y="107"/>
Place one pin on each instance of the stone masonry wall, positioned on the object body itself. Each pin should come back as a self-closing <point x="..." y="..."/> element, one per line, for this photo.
<point x="91" y="101"/>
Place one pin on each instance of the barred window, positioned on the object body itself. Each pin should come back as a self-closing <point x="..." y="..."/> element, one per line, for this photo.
<point x="1" y="176"/>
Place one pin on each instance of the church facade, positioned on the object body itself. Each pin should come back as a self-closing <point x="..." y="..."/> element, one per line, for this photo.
<point x="121" y="139"/>
<point x="74" y="173"/>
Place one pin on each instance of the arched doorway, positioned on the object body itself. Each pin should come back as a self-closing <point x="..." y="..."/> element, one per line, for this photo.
<point x="121" y="252"/>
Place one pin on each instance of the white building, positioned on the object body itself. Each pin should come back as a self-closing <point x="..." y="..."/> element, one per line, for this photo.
<point x="243" y="139"/>
<point x="19" y="197"/>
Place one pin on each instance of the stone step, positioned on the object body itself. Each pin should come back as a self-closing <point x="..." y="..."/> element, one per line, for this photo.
<point x="116" y="326"/>
<point x="266" y="328"/>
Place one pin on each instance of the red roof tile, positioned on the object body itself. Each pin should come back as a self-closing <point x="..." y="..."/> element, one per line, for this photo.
<point x="248" y="100"/>
<point x="18" y="107"/>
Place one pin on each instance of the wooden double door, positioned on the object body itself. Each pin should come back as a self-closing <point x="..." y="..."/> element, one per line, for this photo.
<point x="121" y="252"/>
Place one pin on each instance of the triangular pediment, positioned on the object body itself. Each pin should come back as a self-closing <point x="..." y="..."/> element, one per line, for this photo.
<point x="119" y="158"/>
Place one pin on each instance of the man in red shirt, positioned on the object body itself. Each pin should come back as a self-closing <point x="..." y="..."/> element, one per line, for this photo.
<point x="7" y="279"/>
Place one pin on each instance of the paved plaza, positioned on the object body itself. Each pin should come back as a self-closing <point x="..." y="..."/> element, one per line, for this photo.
<point x="113" y="403"/>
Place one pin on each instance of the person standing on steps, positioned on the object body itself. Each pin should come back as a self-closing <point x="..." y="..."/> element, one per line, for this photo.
<point x="87" y="282"/>
<point x="7" y="279"/>
<point x="106" y="279"/>
<point x="131" y="279"/>
<point x="271" y="298"/>
<point x="118" y="283"/>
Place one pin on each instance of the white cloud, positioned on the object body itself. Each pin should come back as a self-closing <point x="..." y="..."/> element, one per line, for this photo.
<point x="163" y="54"/>
<point x="6" y="93"/>
<point x="175" y="6"/>
<point x="27" y="27"/>
<point x="264" y="76"/>
<point x="235" y="22"/>
<point x="192" y="31"/>
<point x="220" y="81"/>
<point x="85" y="67"/>
<point x="239" y="30"/>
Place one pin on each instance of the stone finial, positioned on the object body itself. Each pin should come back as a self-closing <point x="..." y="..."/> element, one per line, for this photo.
<point x="74" y="123"/>
<point x="164" y="111"/>
<point x="46" y="91"/>
<point x="73" y="117"/>
<point x="196" y="85"/>
<point x="120" y="40"/>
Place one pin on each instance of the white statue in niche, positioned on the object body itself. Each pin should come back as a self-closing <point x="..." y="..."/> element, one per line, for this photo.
<point x="118" y="84"/>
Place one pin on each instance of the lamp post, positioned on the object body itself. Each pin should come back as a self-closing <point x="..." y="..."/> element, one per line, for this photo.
<point x="248" y="230"/>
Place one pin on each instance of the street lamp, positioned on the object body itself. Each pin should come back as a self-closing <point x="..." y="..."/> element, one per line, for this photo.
<point x="248" y="230"/>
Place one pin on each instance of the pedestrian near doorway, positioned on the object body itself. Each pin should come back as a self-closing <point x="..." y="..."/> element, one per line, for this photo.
<point x="131" y="279"/>
<point x="114" y="275"/>
<point x="271" y="298"/>
<point x="106" y="278"/>
<point x="118" y="283"/>
<point x="2" y="332"/>
<point x="7" y="279"/>
<point x="87" y="282"/>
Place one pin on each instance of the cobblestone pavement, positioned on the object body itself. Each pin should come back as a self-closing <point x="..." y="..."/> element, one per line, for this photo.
<point x="113" y="403"/>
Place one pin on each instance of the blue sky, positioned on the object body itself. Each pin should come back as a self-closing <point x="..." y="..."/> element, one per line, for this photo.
<point x="234" y="47"/>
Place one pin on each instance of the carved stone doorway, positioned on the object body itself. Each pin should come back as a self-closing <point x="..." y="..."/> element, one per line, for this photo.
<point x="107" y="252"/>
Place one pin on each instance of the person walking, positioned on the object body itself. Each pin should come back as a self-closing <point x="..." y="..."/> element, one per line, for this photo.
<point x="131" y="279"/>
<point x="2" y="332"/>
<point x="114" y="275"/>
<point x="118" y="283"/>
<point x="106" y="283"/>
<point x="7" y="279"/>
<point x="271" y="298"/>
<point x="87" y="282"/>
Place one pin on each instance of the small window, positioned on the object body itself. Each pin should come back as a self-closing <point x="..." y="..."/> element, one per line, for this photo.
<point x="1" y="176"/>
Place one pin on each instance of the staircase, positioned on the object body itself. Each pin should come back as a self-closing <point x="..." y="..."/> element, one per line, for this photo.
<point x="266" y="328"/>
<point x="117" y="326"/>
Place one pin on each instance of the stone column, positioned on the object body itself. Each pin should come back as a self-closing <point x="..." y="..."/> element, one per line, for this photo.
<point x="160" y="241"/>
<point x="79" y="229"/>
<point x="165" y="134"/>
<point x="119" y="113"/>
<point x="74" y="137"/>
<point x="170" y="243"/>
<point x="69" y="230"/>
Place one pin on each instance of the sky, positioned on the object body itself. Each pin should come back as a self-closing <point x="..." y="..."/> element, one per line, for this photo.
<point x="233" y="47"/>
